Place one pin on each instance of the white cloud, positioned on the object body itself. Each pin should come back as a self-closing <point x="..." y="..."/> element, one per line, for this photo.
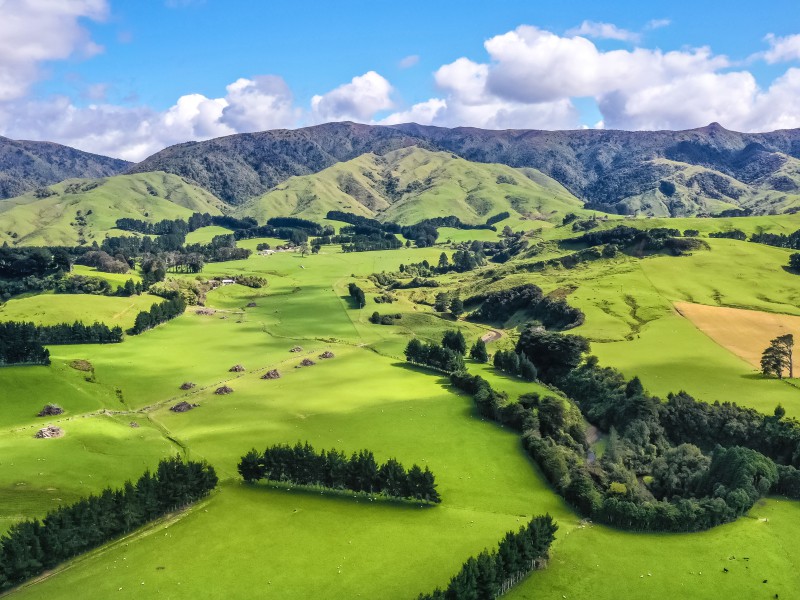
<point x="533" y="65"/>
<point x="264" y="102"/>
<point x="657" y="24"/>
<point x="782" y="49"/>
<point x="408" y="61"/>
<point x="604" y="31"/>
<point x="135" y="133"/>
<point x="33" y="31"/>
<point x="358" y="100"/>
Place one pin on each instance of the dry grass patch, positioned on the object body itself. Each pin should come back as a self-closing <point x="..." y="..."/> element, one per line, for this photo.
<point x="745" y="333"/>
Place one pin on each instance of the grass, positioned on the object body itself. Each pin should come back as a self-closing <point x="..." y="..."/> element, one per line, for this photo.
<point x="82" y="214"/>
<point x="204" y="235"/>
<point x="295" y="544"/>
<point x="50" y="309"/>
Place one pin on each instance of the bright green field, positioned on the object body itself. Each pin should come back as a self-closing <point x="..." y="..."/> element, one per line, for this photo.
<point x="114" y="279"/>
<point x="49" y="309"/>
<point x="245" y="541"/>
<point x="204" y="235"/>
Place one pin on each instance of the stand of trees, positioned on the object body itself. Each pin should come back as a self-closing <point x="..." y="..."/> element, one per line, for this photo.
<point x="494" y="573"/>
<point x="705" y="464"/>
<point x="357" y="294"/>
<point x="33" y="546"/>
<point x="434" y="356"/>
<point x="301" y="464"/>
<point x="500" y="306"/>
<point x="651" y="240"/>
<point x="515" y="364"/>
<point x="158" y="313"/>
<point x="23" y="343"/>
<point x="20" y="345"/>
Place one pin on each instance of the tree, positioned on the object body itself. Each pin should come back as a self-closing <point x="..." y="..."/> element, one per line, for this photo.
<point x="478" y="352"/>
<point x="304" y="248"/>
<point x="444" y="262"/>
<point x="456" y="307"/>
<point x="250" y="467"/>
<point x="454" y="340"/>
<point x="794" y="261"/>
<point x="442" y="302"/>
<point x="777" y="357"/>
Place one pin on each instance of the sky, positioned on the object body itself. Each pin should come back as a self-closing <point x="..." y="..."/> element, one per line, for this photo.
<point x="128" y="78"/>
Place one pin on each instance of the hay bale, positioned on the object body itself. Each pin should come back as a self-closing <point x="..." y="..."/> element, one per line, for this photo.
<point x="182" y="407"/>
<point x="49" y="432"/>
<point x="50" y="410"/>
<point x="296" y="349"/>
<point x="327" y="354"/>
<point x="221" y="391"/>
<point x="236" y="369"/>
<point x="187" y="385"/>
<point x="271" y="374"/>
<point x="306" y="362"/>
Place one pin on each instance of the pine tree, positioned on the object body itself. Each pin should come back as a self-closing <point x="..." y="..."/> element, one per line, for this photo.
<point x="478" y="352"/>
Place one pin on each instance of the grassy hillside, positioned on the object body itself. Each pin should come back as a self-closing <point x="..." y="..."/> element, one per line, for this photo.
<point x="85" y="210"/>
<point x="412" y="184"/>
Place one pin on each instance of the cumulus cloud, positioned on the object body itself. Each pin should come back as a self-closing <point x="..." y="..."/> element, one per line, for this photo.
<point x="604" y="31"/>
<point x="134" y="133"/>
<point x="358" y="100"/>
<point x="533" y="75"/>
<point x="33" y="31"/>
<point x="782" y="49"/>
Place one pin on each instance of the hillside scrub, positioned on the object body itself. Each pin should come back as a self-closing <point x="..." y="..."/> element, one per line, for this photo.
<point x="500" y="306"/>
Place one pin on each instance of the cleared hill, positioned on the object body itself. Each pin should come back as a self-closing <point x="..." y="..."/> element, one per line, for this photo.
<point x="411" y="184"/>
<point x="81" y="211"/>
<point x="25" y="166"/>
<point x="620" y="171"/>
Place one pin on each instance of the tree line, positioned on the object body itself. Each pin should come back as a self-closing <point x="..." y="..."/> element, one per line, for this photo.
<point x="434" y="356"/>
<point x="492" y="574"/>
<point x="678" y="465"/>
<point x="24" y="343"/>
<point x="301" y="464"/>
<point x="158" y="313"/>
<point x="33" y="546"/>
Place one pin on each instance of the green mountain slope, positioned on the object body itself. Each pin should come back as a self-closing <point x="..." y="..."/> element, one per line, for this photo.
<point x="679" y="188"/>
<point x="411" y="184"/>
<point x="84" y="210"/>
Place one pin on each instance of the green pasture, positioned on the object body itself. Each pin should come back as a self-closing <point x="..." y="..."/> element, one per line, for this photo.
<point x="258" y="540"/>
<point x="49" y="309"/>
<point x="204" y="235"/>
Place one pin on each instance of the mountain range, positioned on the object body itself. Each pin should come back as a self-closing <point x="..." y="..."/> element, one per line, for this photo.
<point x="335" y="165"/>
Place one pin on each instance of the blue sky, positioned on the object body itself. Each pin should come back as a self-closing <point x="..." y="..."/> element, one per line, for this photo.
<point x="116" y="82"/>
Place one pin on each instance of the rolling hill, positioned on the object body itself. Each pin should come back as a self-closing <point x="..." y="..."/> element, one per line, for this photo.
<point x="25" y="166"/>
<point x="412" y="184"/>
<point x="80" y="211"/>
<point x="632" y="172"/>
